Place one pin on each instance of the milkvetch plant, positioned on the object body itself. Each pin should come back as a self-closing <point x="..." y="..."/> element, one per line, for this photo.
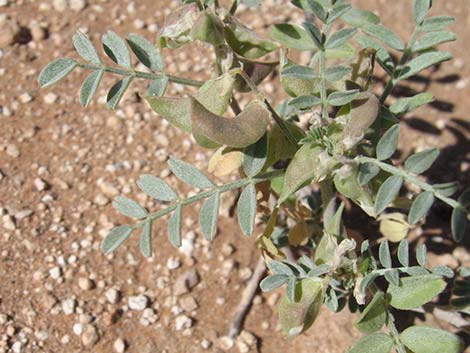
<point x="344" y="155"/>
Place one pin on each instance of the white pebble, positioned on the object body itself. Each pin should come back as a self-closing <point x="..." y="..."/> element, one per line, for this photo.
<point x="138" y="302"/>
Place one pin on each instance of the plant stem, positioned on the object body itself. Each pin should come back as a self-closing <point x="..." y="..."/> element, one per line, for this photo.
<point x="395" y="334"/>
<point x="237" y="184"/>
<point x="322" y="69"/>
<point x="234" y="7"/>
<point x="395" y="77"/>
<point x="142" y="74"/>
<point x="411" y="178"/>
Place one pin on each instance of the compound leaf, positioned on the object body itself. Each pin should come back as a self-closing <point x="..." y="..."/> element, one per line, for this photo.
<point x="115" y="238"/>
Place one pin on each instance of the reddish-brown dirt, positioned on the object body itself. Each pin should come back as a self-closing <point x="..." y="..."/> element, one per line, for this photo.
<point x="85" y="155"/>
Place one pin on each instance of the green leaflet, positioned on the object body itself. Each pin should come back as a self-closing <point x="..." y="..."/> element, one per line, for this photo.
<point x="360" y="18"/>
<point x="89" y="87"/>
<point x="116" y="92"/>
<point x="247" y="43"/>
<point x="458" y="223"/>
<point x="325" y="251"/>
<point x="415" y="291"/>
<point x="292" y="36"/>
<point x="375" y="343"/>
<point x="388" y="191"/>
<point x="296" y="317"/>
<point x="115" y="238"/>
<point x="421" y="161"/>
<point x="310" y="164"/>
<point x="115" y="47"/>
<point x="405" y="105"/>
<point x="146" y="239"/>
<point x="55" y="71"/>
<point x="388" y="143"/>
<point x="156" y="188"/>
<point x="423" y="62"/>
<point x="246" y="209"/>
<point x="145" y="52"/>
<point x="422" y="339"/>
<point x="174" y="227"/>
<point x="208" y="216"/>
<point x="374" y="315"/>
<point x="346" y="183"/>
<point x="420" y="207"/>
<point x="384" y="34"/>
<point x="189" y="174"/>
<point x="85" y="48"/>
<point x="254" y="157"/>
<point x="129" y="207"/>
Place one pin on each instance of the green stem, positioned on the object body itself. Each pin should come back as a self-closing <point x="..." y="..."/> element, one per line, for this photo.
<point x="205" y="194"/>
<point x="322" y="69"/>
<point x="395" y="334"/>
<point x="411" y="178"/>
<point x="395" y="77"/>
<point x="234" y="7"/>
<point x="142" y="74"/>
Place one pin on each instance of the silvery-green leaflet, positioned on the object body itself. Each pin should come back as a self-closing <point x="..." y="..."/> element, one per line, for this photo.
<point x="346" y="152"/>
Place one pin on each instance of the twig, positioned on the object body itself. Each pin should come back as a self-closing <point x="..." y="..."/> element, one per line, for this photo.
<point x="247" y="299"/>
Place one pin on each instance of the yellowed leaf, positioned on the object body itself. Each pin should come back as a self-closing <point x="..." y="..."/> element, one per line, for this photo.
<point x="225" y="161"/>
